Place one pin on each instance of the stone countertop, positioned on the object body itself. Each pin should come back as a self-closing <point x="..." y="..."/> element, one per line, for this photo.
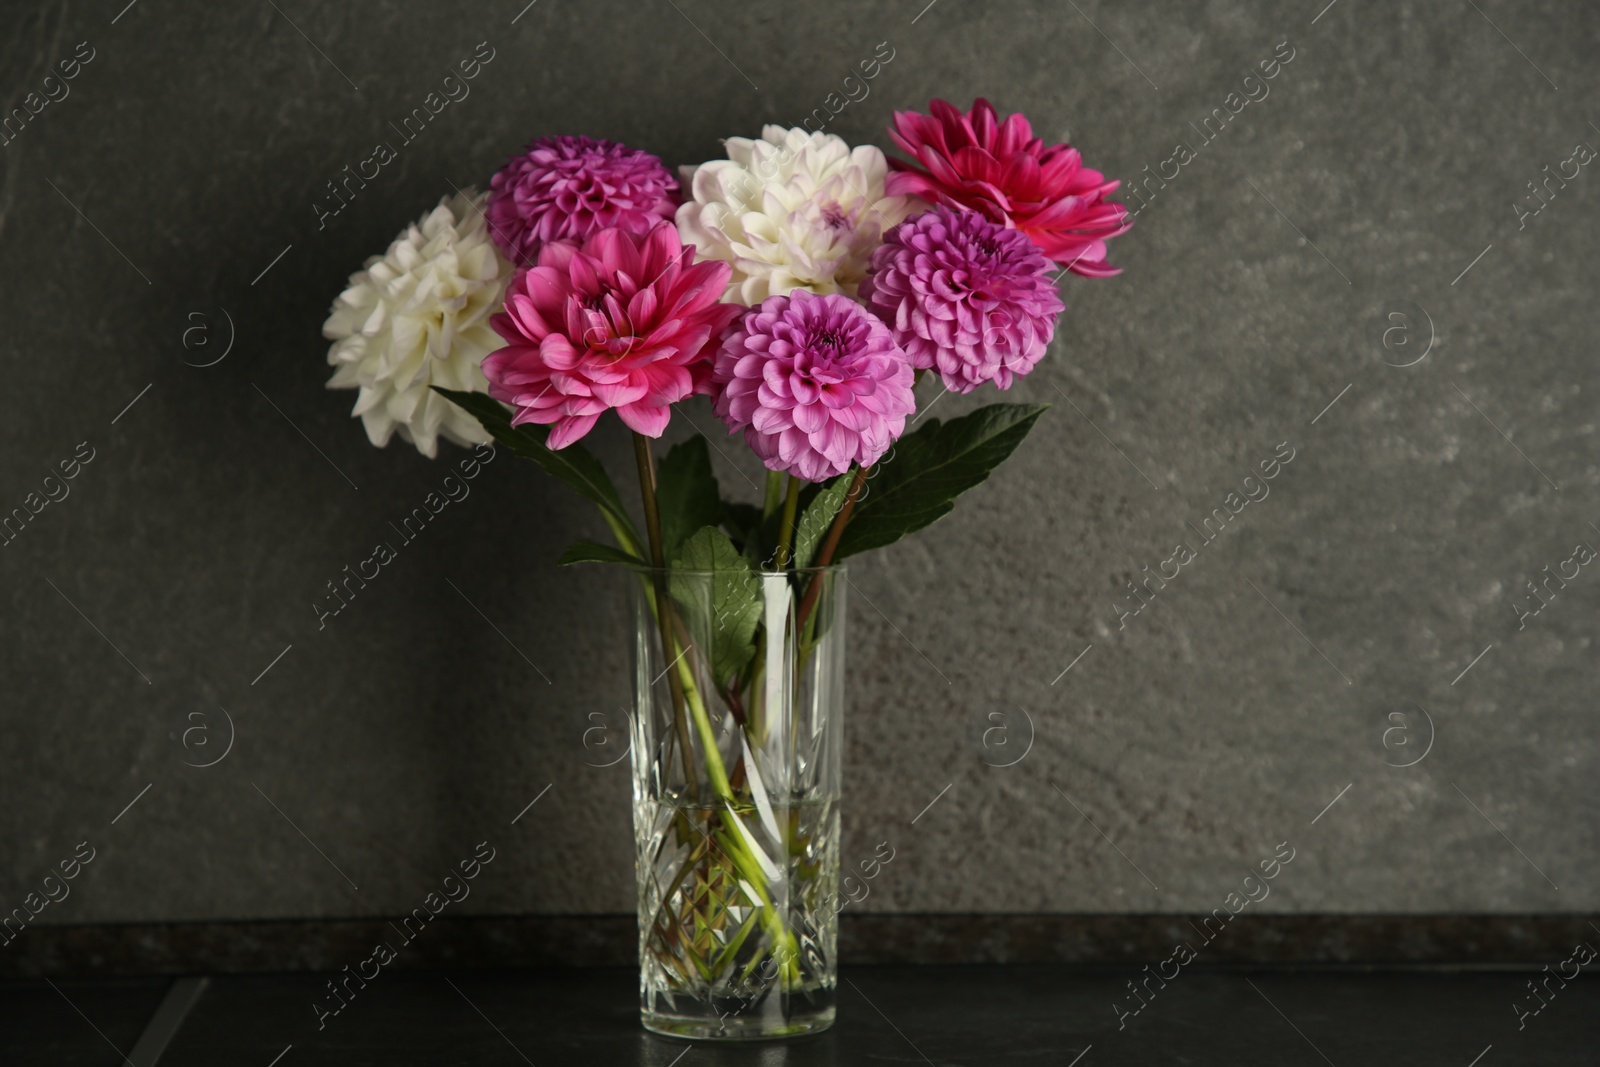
<point x="934" y="1015"/>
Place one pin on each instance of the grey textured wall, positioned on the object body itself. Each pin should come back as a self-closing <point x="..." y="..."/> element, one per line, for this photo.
<point x="173" y="189"/>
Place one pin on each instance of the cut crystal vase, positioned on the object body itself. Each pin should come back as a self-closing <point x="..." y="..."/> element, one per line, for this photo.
<point x="738" y="693"/>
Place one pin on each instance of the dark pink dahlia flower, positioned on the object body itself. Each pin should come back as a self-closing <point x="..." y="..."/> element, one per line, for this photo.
<point x="627" y="321"/>
<point x="815" y="382"/>
<point x="977" y="163"/>
<point x="964" y="295"/>
<point x="566" y="188"/>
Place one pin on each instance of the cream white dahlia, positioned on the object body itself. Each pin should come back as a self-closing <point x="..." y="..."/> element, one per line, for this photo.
<point x="793" y="210"/>
<point x="418" y="316"/>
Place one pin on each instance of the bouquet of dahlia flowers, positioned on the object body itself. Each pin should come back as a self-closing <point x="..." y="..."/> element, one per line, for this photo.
<point x="806" y="287"/>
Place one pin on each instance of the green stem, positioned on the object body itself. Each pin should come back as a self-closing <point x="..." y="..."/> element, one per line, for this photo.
<point x="702" y="724"/>
<point x="620" y="531"/>
<point x="791" y="504"/>
<point x="687" y="692"/>
<point x="755" y="709"/>
<point x="647" y="488"/>
<point x="825" y="554"/>
<point x="663" y="612"/>
<point x="774" y="494"/>
<point x="731" y="841"/>
<point x="783" y="940"/>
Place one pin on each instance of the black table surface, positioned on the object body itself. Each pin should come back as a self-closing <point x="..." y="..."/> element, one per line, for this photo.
<point x="1054" y="1016"/>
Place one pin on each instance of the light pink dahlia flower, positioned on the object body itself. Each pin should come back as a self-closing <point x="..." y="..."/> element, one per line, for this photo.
<point x="566" y="188"/>
<point x="627" y="321"/>
<point x="964" y="295"/>
<point x="815" y="382"/>
<point x="975" y="162"/>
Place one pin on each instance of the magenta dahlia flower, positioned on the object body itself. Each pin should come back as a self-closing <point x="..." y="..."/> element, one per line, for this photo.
<point x="627" y="321"/>
<point x="566" y="188"/>
<point x="964" y="295"/>
<point x="977" y="163"/>
<point x="815" y="382"/>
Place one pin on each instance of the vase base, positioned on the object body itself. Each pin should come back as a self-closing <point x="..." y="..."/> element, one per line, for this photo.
<point x="734" y="1028"/>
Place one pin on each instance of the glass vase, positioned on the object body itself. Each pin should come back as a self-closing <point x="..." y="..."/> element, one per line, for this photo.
<point x="738" y="694"/>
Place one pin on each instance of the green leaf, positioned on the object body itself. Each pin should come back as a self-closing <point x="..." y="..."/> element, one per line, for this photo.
<point x="929" y="469"/>
<point x="812" y="528"/>
<point x="729" y="615"/>
<point x="573" y="464"/>
<point x="590" y="552"/>
<point x="686" y="493"/>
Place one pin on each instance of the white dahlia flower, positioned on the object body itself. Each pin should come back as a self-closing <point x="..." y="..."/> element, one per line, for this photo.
<point x="794" y="210"/>
<point x="416" y="317"/>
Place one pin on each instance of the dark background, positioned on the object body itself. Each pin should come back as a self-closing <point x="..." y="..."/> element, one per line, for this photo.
<point x="174" y="190"/>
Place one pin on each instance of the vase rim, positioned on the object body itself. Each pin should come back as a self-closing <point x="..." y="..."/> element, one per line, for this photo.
<point x="642" y="568"/>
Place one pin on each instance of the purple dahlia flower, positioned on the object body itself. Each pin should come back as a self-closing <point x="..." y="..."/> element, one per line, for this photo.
<point x="815" y="382"/>
<point x="567" y="188"/>
<point x="964" y="295"/>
